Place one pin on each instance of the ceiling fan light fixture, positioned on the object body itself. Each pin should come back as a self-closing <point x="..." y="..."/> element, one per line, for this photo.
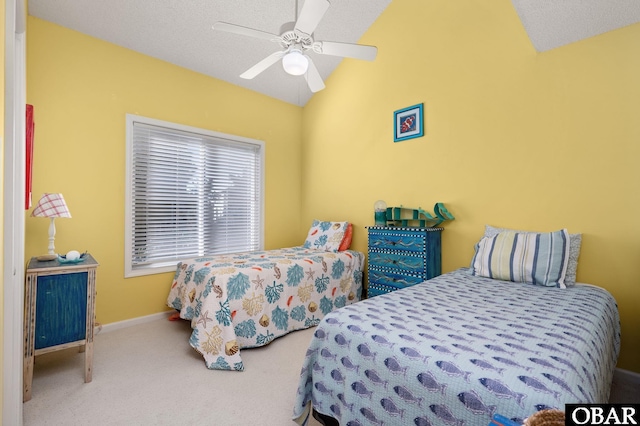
<point x="297" y="40"/>
<point x="295" y="63"/>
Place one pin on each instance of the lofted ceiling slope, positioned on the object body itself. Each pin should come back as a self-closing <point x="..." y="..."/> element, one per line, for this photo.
<point x="179" y="31"/>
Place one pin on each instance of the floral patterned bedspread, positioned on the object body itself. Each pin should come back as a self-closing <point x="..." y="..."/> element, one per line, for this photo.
<point x="246" y="300"/>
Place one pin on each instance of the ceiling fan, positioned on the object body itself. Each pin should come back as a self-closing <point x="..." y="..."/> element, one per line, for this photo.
<point x="296" y="42"/>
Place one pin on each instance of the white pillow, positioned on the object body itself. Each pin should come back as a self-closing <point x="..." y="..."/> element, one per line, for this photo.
<point x="326" y="235"/>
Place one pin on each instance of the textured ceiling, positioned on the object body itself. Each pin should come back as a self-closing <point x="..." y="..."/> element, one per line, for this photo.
<point x="179" y="31"/>
<point x="554" y="23"/>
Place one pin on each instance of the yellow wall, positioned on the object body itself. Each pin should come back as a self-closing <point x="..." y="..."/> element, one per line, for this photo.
<point x="81" y="89"/>
<point x="514" y="138"/>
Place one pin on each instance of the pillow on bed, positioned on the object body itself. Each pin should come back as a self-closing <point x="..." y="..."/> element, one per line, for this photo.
<point x="346" y="240"/>
<point x="532" y="258"/>
<point x="575" y="241"/>
<point x="326" y="235"/>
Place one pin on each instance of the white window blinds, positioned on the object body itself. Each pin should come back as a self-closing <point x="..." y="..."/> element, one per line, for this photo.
<point x="192" y="193"/>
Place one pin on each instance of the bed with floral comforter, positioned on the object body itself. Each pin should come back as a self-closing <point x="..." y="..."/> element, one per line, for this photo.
<point x="247" y="300"/>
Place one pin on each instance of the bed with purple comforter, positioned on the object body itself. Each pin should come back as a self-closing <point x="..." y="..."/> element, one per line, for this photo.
<point x="457" y="349"/>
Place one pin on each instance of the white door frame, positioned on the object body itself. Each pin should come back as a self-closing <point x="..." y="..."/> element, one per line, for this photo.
<point x="13" y="209"/>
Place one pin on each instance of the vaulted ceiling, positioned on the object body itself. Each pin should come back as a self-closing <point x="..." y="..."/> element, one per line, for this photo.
<point x="179" y="31"/>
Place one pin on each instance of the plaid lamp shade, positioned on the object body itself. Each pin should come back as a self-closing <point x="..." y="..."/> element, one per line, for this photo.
<point x="51" y="205"/>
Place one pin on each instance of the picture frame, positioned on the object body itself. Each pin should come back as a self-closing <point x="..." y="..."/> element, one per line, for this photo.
<point x="408" y="123"/>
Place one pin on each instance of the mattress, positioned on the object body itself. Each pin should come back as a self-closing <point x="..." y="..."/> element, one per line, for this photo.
<point x="457" y="349"/>
<point x="249" y="299"/>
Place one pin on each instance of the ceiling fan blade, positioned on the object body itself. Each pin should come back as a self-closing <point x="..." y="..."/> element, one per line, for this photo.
<point x="310" y="15"/>
<point x="313" y="77"/>
<point x="262" y="65"/>
<point x="237" y="29"/>
<point x="348" y="50"/>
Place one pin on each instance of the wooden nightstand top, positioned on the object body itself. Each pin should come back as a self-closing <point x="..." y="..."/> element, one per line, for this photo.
<point x="40" y="266"/>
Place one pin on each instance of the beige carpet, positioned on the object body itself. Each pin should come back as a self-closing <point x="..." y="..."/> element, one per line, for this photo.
<point x="149" y="375"/>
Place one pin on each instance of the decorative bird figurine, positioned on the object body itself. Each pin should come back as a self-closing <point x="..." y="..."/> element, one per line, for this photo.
<point x="442" y="213"/>
<point x="406" y="217"/>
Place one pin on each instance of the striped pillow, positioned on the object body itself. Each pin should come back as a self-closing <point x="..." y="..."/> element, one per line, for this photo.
<point x="575" y="241"/>
<point x="532" y="258"/>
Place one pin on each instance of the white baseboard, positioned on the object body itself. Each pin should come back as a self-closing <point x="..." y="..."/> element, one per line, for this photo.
<point x="131" y="322"/>
<point x="627" y="376"/>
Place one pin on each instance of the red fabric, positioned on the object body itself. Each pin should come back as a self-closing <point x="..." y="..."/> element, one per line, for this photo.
<point x="346" y="240"/>
<point x="29" y="166"/>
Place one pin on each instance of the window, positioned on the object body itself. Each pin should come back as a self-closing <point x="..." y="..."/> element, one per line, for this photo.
<point x="190" y="192"/>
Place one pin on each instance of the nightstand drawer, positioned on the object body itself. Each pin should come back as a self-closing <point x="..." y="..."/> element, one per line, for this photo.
<point x="376" y="289"/>
<point x="392" y="280"/>
<point x="396" y="240"/>
<point x="397" y="260"/>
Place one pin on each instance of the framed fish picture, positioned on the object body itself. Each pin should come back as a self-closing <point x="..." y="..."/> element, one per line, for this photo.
<point x="408" y="123"/>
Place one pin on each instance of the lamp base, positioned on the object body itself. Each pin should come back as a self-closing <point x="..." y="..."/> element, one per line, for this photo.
<point x="47" y="257"/>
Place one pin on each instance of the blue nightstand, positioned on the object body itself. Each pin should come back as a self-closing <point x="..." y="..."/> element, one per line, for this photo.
<point x="401" y="257"/>
<point x="59" y="312"/>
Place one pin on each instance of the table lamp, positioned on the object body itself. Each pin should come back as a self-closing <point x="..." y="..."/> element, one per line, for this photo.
<point x="51" y="206"/>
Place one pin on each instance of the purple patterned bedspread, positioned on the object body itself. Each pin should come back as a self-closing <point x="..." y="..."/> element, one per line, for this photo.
<point x="457" y="349"/>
